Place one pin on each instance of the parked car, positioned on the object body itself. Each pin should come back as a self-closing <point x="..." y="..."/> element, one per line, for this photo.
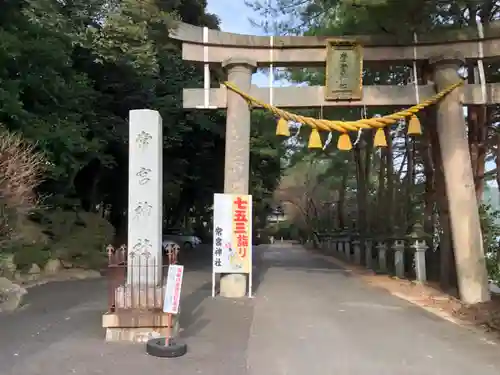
<point x="185" y="241"/>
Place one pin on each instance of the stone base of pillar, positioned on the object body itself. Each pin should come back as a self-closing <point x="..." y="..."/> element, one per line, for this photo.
<point x="399" y="263"/>
<point x="233" y="285"/>
<point x="137" y="314"/>
<point x="139" y="297"/>
<point x="368" y="255"/>
<point x="357" y="256"/>
<point x="382" y="262"/>
<point x="347" y="249"/>
<point x="357" y="252"/>
<point x="420" y="266"/>
<point x="138" y="326"/>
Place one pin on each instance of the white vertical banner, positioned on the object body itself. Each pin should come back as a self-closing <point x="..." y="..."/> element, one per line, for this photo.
<point x="173" y="289"/>
<point x="145" y="197"/>
<point x="232" y="235"/>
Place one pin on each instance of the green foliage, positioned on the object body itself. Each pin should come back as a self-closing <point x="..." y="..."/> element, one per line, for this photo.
<point x="79" y="237"/>
<point x="266" y="167"/>
<point x="382" y="17"/>
<point x="129" y="35"/>
<point x="285" y="230"/>
<point x="7" y="218"/>
<point x="27" y="254"/>
<point x="491" y="238"/>
<point x="70" y="72"/>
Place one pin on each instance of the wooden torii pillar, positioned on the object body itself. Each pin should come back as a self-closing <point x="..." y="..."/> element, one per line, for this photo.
<point x="459" y="181"/>
<point x="237" y="157"/>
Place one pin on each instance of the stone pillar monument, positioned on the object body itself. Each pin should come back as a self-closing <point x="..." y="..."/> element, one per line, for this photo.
<point x="145" y="198"/>
<point x="465" y="225"/>
<point x="237" y="157"/>
<point x="135" y="316"/>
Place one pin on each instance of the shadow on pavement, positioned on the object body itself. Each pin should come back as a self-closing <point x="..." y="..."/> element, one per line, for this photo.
<point x="192" y="312"/>
<point x="259" y="268"/>
<point x="197" y="259"/>
<point x="267" y="257"/>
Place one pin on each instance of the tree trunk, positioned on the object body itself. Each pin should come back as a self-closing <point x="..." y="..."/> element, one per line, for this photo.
<point x="341" y="202"/>
<point x="477" y="146"/>
<point x="367" y="176"/>
<point x="389" y="199"/>
<point x="381" y="190"/>
<point x="409" y="181"/>
<point x="432" y="260"/>
<point x="497" y="159"/>
<point x="361" y="192"/>
<point x="429" y="196"/>
<point x="477" y="134"/>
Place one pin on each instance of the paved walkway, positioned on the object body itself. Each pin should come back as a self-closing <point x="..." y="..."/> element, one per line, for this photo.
<point x="308" y="317"/>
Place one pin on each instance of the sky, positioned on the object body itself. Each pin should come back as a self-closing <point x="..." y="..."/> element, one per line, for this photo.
<point x="234" y="15"/>
<point x="235" y="18"/>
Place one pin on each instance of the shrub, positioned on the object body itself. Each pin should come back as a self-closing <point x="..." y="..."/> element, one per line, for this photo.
<point x="21" y="170"/>
<point x="491" y="237"/>
<point x="80" y="238"/>
<point x="25" y="255"/>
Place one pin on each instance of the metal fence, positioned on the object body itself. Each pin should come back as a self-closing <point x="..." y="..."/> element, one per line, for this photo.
<point x="137" y="281"/>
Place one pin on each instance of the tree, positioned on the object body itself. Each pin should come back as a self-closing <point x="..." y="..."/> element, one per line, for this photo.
<point x="410" y="177"/>
<point x="70" y="71"/>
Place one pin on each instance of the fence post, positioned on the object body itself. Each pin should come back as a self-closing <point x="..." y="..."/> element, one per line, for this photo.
<point x="340" y="246"/>
<point x="382" y="256"/>
<point x="368" y="253"/>
<point x="399" y="265"/>
<point x="347" y="248"/>
<point x="356" y="244"/>
<point x="420" y="248"/>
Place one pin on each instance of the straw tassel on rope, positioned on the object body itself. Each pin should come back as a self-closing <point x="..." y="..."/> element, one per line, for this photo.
<point x="344" y="143"/>
<point x="282" y="127"/>
<point x="414" y="127"/>
<point x="380" y="140"/>
<point x="315" y="139"/>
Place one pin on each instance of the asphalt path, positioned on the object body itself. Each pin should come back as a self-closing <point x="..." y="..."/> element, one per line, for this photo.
<point x="307" y="316"/>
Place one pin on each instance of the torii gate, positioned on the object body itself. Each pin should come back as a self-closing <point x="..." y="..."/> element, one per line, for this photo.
<point x="445" y="52"/>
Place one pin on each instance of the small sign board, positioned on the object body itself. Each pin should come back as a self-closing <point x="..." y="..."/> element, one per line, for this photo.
<point x="232" y="247"/>
<point x="173" y="289"/>
<point x="344" y="70"/>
